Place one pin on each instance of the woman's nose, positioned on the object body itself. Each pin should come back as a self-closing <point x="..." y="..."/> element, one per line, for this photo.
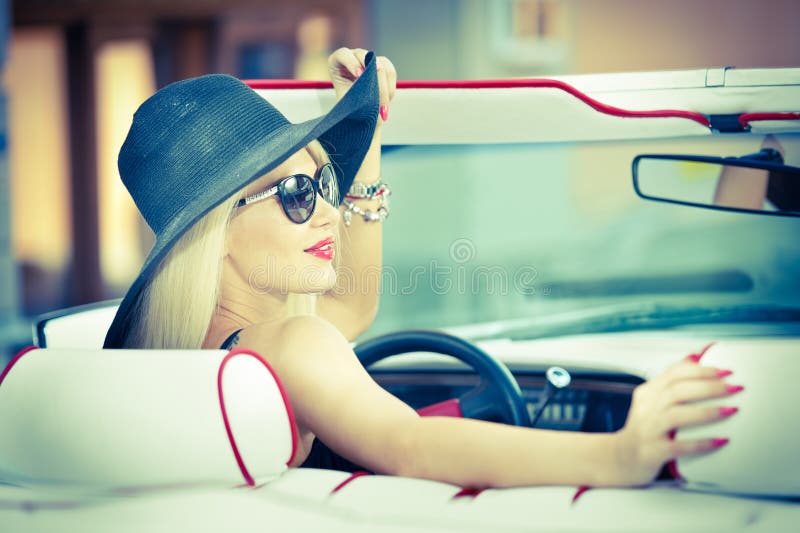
<point x="325" y="213"/>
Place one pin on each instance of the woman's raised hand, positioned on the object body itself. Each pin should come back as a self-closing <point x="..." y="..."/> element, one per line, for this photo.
<point x="661" y="406"/>
<point x="346" y="64"/>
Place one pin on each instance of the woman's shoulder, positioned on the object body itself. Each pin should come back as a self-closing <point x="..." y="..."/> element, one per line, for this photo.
<point x="290" y="334"/>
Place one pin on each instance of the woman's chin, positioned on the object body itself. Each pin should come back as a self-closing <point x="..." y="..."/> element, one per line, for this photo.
<point x="318" y="280"/>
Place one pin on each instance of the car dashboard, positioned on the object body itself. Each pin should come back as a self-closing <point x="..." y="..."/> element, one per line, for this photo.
<point x="592" y="403"/>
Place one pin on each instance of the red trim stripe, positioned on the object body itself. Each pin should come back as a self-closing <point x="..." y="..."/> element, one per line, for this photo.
<point x="288" y="84"/>
<point x="14" y="361"/>
<point x="355" y="475"/>
<point x="579" y="492"/>
<point x="538" y="83"/>
<point x="746" y="118"/>
<point x="467" y="492"/>
<point x="292" y="423"/>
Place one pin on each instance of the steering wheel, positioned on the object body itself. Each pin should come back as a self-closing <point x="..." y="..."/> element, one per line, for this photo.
<point x="496" y="397"/>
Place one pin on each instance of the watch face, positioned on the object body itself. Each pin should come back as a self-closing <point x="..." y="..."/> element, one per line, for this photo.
<point x="559" y="377"/>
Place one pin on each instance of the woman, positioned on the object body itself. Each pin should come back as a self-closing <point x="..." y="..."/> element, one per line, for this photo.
<point x="244" y="209"/>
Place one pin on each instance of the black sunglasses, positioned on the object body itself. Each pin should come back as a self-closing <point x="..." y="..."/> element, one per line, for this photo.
<point x="298" y="193"/>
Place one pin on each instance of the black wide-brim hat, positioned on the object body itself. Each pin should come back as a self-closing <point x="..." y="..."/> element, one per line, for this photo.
<point x="196" y="142"/>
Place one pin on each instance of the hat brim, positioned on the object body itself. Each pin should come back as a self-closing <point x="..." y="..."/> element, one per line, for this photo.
<point x="345" y="132"/>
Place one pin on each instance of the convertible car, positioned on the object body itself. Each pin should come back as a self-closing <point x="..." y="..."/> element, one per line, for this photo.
<point x="553" y="243"/>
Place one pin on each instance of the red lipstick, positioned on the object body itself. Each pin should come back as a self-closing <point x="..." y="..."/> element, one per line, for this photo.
<point x="323" y="249"/>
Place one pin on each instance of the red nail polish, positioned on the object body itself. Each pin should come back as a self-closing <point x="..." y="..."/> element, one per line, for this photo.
<point x="717" y="443"/>
<point x="697" y="356"/>
<point x="722" y="373"/>
<point x="728" y="411"/>
<point x="733" y="388"/>
<point x="384" y="113"/>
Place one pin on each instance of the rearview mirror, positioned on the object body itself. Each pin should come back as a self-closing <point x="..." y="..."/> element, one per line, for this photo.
<point x="756" y="183"/>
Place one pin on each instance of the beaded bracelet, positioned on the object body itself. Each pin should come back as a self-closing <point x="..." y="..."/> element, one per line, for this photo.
<point x="368" y="215"/>
<point x="363" y="191"/>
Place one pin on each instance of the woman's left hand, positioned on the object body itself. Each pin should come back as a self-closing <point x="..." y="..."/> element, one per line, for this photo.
<point x="345" y="65"/>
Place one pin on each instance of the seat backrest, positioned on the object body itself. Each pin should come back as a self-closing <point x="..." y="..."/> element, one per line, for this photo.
<point x="83" y="326"/>
<point x="143" y="418"/>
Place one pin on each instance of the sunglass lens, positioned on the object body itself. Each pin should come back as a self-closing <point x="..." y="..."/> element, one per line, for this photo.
<point x="328" y="185"/>
<point x="298" y="197"/>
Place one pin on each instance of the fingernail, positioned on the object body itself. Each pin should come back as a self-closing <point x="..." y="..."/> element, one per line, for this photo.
<point x="359" y="72"/>
<point x="379" y="68"/>
<point x="721" y="373"/>
<point x="384" y="113"/>
<point x="733" y="388"/>
<point x="697" y="356"/>
<point x="728" y="411"/>
<point x="717" y="443"/>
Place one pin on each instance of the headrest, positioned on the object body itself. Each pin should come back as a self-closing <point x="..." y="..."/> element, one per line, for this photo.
<point x="124" y="418"/>
<point x="83" y="326"/>
<point x="762" y="456"/>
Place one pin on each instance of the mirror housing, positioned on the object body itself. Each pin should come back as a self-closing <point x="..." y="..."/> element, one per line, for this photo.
<point x="755" y="183"/>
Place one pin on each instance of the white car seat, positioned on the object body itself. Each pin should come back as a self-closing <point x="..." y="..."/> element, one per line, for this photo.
<point x="83" y="326"/>
<point x="132" y="418"/>
<point x="208" y="420"/>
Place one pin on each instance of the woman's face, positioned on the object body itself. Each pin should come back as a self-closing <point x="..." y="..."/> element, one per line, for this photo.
<point x="273" y="254"/>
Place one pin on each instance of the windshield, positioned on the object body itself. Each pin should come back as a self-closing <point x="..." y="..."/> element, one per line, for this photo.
<point x="527" y="233"/>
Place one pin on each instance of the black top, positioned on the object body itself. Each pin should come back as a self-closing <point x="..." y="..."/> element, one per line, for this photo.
<point x="229" y="342"/>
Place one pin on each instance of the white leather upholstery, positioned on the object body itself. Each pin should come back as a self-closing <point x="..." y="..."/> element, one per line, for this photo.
<point x="762" y="456"/>
<point x="80" y="327"/>
<point x="150" y="422"/>
<point x="390" y="505"/>
<point x="308" y="484"/>
<point x="129" y="418"/>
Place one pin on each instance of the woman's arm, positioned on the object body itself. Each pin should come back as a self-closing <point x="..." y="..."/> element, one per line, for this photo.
<point x="334" y="397"/>
<point x="352" y="305"/>
<point x="741" y="187"/>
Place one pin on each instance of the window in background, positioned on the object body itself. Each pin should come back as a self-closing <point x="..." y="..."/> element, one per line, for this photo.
<point x="286" y="39"/>
<point x="530" y="33"/>
<point x="125" y="78"/>
<point x="39" y="166"/>
<point x="314" y="43"/>
<point x="264" y="60"/>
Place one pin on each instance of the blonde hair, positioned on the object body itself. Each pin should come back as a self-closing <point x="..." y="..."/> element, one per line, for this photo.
<point x="175" y="307"/>
<point x="176" y="304"/>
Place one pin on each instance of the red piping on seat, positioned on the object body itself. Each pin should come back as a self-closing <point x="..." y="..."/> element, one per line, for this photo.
<point x="746" y="118"/>
<point x="501" y="84"/>
<point x="467" y="492"/>
<point x="292" y="423"/>
<point x="355" y="475"/>
<point x="14" y="361"/>
<point x="579" y="492"/>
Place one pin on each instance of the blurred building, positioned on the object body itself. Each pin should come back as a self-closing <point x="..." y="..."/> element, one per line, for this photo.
<point x="77" y="69"/>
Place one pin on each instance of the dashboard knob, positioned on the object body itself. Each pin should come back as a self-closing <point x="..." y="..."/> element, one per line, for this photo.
<point x="556" y="379"/>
